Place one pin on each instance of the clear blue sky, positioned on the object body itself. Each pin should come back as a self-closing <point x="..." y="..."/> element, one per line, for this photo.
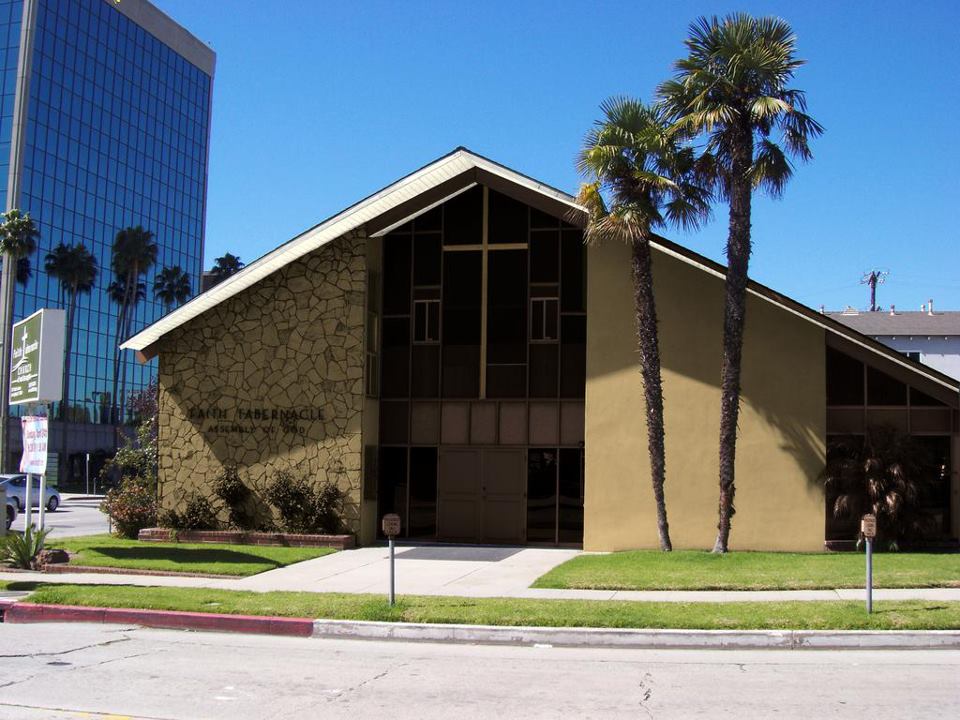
<point x="319" y="103"/>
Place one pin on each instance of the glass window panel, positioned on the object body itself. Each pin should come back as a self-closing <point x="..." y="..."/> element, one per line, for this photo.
<point x="463" y="218"/>
<point x="884" y="390"/>
<point x="570" y="511"/>
<point x="427" y="254"/>
<point x="541" y="495"/>
<point x="508" y="219"/>
<point x="844" y="379"/>
<point x="392" y="483"/>
<point x="573" y="266"/>
<point x="423" y="492"/>
<point x="396" y="277"/>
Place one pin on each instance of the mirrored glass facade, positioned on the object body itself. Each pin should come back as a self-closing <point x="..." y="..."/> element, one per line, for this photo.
<point x="116" y="136"/>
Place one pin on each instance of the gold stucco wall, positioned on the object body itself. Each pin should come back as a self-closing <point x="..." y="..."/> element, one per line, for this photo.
<point x="269" y="380"/>
<point x="782" y="420"/>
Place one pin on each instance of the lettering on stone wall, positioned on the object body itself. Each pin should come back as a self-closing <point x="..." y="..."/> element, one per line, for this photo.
<point x="242" y="420"/>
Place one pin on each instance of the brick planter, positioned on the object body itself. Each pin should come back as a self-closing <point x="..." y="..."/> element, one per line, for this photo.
<point x="242" y="537"/>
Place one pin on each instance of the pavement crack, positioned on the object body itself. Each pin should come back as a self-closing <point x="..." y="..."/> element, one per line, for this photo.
<point x="105" y="643"/>
<point x="368" y="681"/>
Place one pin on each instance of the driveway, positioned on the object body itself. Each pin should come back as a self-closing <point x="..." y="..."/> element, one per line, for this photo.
<point x="77" y="515"/>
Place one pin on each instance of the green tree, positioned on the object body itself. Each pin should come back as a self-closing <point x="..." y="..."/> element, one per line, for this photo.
<point x="733" y="88"/>
<point x="650" y="176"/>
<point x="172" y="286"/>
<point x="75" y="269"/>
<point x="134" y="253"/>
<point x="225" y="266"/>
<point x="18" y="241"/>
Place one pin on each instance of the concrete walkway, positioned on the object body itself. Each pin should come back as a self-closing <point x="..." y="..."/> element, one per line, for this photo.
<point x="457" y="571"/>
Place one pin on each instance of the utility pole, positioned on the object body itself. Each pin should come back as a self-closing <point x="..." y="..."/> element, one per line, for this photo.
<point x="872" y="279"/>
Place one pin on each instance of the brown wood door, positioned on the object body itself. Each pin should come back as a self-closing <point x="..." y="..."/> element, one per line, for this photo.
<point x="504" y="487"/>
<point x="460" y="496"/>
<point x="482" y="495"/>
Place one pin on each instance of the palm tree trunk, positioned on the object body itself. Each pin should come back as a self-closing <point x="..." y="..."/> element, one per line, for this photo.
<point x="649" y="347"/>
<point x="8" y="278"/>
<point x="734" y="317"/>
<point x="121" y="322"/>
<point x="65" y="396"/>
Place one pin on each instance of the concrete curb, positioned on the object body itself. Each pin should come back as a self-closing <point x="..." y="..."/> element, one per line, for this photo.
<point x="20" y="612"/>
<point x="260" y="625"/>
<point x="640" y="639"/>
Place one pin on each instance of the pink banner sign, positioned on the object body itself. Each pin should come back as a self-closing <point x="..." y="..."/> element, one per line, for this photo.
<point x="34" y="458"/>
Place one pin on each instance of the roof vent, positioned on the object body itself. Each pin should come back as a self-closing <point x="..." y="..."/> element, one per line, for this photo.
<point x="930" y="307"/>
<point x="822" y="310"/>
<point x="923" y="307"/>
<point x="893" y="309"/>
<point x="849" y="310"/>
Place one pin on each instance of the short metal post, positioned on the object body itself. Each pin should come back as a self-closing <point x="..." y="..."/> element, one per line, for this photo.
<point x="869" y="575"/>
<point x="41" y="504"/>
<point x="88" y="473"/>
<point x="393" y="595"/>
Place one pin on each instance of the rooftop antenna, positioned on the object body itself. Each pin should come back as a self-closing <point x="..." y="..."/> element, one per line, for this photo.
<point x="873" y="278"/>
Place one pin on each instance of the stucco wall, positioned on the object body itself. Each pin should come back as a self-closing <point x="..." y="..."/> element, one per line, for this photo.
<point x="782" y="422"/>
<point x="271" y="379"/>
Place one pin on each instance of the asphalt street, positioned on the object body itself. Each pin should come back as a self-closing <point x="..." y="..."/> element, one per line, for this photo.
<point x="75" y="516"/>
<point x="70" y="671"/>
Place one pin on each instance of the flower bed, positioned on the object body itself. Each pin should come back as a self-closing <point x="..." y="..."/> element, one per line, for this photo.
<point x="243" y="537"/>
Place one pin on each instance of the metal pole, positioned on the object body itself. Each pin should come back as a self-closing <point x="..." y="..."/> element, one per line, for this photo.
<point x="42" y="511"/>
<point x="393" y="596"/>
<point x="28" y="502"/>
<point x="88" y="473"/>
<point x="869" y="575"/>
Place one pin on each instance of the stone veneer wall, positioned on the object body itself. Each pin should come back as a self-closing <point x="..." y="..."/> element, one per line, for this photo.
<point x="271" y="379"/>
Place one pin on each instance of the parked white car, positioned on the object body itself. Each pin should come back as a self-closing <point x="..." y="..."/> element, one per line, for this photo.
<point x="16" y="487"/>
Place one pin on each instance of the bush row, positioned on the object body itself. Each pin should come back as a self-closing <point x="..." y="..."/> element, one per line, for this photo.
<point x="288" y="504"/>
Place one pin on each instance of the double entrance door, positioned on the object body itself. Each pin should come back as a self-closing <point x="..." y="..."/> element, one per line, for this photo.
<point x="482" y="495"/>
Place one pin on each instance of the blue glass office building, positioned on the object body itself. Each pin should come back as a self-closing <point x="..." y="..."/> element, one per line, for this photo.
<point x="104" y="124"/>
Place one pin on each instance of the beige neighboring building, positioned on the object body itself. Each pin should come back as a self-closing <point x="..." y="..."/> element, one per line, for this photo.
<point x="448" y="349"/>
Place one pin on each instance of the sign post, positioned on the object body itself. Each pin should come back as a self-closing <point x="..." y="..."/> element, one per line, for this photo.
<point x="391" y="528"/>
<point x="868" y="526"/>
<point x="35" y="433"/>
<point x="36" y="376"/>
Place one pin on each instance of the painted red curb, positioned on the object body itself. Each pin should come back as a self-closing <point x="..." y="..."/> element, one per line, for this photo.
<point x="262" y="625"/>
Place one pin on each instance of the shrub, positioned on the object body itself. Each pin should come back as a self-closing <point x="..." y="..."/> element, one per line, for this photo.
<point x="305" y="507"/>
<point x="131" y="506"/>
<point x="21" y="551"/>
<point x="236" y="497"/>
<point x="197" y="514"/>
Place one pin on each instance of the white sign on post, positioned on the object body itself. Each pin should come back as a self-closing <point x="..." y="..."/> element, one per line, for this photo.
<point x="35" y="434"/>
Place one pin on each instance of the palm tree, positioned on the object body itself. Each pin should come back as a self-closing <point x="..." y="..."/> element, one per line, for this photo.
<point x="651" y="178"/>
<point x="134" y="253"/>
<point x="24" y="271"/>
<point x="732" y="86"/>
<point x="75" y="269"/>
<point x="225" y="266"/>
<point x="172" y="285"/>
<point x="18" y="240"/>
<point x="884" y="472"/>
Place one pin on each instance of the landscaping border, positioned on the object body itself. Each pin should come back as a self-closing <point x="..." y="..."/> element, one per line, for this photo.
<point x="243" y="537"/>
<point x="64" y="568"/>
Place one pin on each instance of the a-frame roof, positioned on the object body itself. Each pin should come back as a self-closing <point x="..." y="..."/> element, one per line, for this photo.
<point x="448" y="176"/>
<point x="432" y="184"/>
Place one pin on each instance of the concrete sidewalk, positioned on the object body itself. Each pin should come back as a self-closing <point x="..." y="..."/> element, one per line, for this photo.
<point x="457" y="571"/>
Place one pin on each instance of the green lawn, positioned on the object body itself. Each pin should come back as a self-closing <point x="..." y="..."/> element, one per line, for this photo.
<point x="239" y="560"/>
<point x="907" y="615"/>
<point x="697" y="570"/>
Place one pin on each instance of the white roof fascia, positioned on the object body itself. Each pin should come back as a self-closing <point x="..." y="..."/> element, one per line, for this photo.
<point x="353" y="217"/>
